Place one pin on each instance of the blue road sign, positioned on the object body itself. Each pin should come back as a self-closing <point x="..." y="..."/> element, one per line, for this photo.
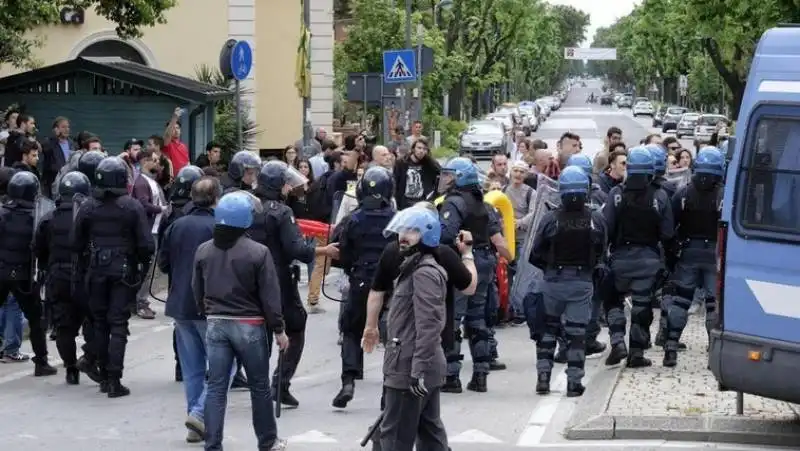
<point x="241" y="60"/>
<point x="399" y="66"/>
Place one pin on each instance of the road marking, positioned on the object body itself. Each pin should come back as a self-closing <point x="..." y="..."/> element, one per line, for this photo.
<point x="473" y="436"/>
<point x="543" y="414"/>
<point x="312" y="436"/>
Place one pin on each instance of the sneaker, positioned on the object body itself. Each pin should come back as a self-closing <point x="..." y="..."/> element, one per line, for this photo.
<point x="314" y="309"/>
<point x="15" y="357"/>
<point x="194" y="424"/>
<point x="193" y="437"/>
<point x="278" y="445"/>
<point x="146" y="313"/>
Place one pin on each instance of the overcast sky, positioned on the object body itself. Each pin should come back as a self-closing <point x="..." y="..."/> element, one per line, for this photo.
<point x="602" y="12"/>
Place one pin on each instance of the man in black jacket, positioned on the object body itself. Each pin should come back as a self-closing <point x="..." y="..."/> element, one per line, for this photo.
<point x="26" y="131"/>
<point x="55" y="152"/>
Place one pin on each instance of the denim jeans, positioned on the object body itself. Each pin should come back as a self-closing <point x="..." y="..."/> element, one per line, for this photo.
<point x="190" y="338"/>
<point x="251" y="344"/>
<point x="11" y="325"/>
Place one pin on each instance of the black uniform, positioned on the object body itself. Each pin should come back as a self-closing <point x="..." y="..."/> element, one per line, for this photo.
<point x="276" y="228"/>
<point x="240" y="163"/>
<point x="17" y="224"/>
<point x="113" y="229"/>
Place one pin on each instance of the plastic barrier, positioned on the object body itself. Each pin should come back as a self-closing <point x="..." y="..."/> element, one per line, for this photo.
<point x="502" y="285"/>
<point x="502" y="203"/>
<point x="311" y="228"/>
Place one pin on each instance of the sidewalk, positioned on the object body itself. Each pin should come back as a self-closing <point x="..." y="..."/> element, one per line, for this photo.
<point x="680" y="403"/>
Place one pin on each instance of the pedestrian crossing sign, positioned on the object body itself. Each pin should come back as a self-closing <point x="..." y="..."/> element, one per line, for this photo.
<point x="399" y="66"/>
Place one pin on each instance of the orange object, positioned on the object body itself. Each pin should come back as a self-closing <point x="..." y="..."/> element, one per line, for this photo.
<point x="502" y="284"/>
<point x="311" y="228"/>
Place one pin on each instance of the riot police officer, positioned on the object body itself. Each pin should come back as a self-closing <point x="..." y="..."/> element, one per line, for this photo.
<point x="660" y="164"/>
<point x="276" y="228"/>
<point x="639" y="218"/>
<point x="242" y="172"/>
<point x="70" y="310"/>
<point x="463" y="209"/>
<point x="697" y="209"/>
<point x="361" y="243"/>
<point x="87" y="163"/>
<point x="568" y="244"/>
<point x="112" y="228"/>
<point x="597" y="197"/>
<point x="18" y="220"/>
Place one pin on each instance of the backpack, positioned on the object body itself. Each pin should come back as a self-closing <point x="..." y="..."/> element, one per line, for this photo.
<point x="319" y="206"/>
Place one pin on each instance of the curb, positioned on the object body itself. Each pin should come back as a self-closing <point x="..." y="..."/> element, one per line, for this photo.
<point x="591" y="421"/>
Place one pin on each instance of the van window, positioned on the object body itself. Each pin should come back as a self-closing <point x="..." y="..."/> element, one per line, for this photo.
<point x="769" y="177"/>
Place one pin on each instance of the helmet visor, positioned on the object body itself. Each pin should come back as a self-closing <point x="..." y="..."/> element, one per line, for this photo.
<point x="413" y="220"/>
<point x="294" y="178"/>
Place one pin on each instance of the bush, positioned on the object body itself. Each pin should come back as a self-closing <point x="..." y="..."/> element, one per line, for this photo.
<point x="444" y="152"/>
<point x="449" y="128"/>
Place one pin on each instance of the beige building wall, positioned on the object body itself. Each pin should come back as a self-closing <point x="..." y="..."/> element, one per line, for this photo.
<point x="322" y="41"/>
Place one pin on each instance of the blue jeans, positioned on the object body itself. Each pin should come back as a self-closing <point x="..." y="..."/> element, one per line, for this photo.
<point x="190" y="338"/>
<point x="11" y="325"/>
<point x="251" y="344"/>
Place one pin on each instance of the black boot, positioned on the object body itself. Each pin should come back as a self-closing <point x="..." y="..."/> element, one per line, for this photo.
<point x="42" y="368"/>
<point x="103" y="386"/>
<point x="638" y="362"/>
<point x="543" y="383"/>
<point x="670" y="359"/>
<point x="452" y="384"/>
<point x="617" y="354"/>
<point x="575" y="389"/>
<point x="116" y="389"/>
<point x="478" y="383"/>
<point x="595" y="347"/>
<point x="73" y="376"/>
<point x="561" y="355"/>
<point x="178" y="372"/>
<point x="496" y="365"/>
<point x="287" y="399"/>
<point x="345" y="395"/>
<point x="89" y="368"/>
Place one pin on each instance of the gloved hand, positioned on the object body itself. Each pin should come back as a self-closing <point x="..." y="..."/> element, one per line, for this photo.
<point x="418" y="388"/>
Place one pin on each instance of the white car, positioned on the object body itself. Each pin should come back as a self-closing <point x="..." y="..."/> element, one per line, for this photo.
<point x="505" y="118"/>
<point x="707" y="124"/>
<point x="643" y="108"/>
<point x="529" y="115"/>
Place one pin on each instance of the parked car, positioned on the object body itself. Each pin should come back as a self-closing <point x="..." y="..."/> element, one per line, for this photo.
<point x="625" y="101"/>
<point x="640" y="99"/>
<point x="658" y="117"/>
<point x="606" y="99"/>
<point x="686" y="125"/>
<point x="553" y="102"/>
<point x="504" y="118"/>
<point x="530" y="112"/>
<point x="484" y="138"/>
<point x="545" y="107"/>
<point x="643" y="108"/>
<point x="672" y="117"/>
<point x="707" y="125"/>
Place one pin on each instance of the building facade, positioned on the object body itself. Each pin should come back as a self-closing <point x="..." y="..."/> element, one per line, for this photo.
<point x="194" y="35"/>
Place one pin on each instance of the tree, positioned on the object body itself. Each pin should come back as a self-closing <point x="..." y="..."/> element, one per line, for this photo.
<point x="19" y="17"/>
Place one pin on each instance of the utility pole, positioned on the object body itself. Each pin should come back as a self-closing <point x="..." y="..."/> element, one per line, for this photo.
<point x="307" y="131"/>
<point x="405" y="99"/>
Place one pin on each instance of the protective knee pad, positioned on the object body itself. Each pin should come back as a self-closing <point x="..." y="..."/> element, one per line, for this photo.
<point x="642" y="313"/>
<point x="684" y="292"/>
<point x="576" y="341"/>
<point x="552" y="325"/>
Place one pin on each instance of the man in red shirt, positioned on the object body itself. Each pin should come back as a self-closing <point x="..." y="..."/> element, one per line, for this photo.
<point x="174" y="149"/>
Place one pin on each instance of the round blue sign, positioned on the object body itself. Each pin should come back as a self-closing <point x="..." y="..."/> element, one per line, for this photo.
<point x="241" y="60"/>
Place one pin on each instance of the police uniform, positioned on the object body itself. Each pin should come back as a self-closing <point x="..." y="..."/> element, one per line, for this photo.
<point x="639" y="219"/>
<point x="113" y="229"/>
<point x="17" y="223"/>
<point x="240" y="163"/>
<point x="567" y="246"/>
<point x="361" y="243"/>
<point x="276" y="229"/>
<point x="697" y="211"/>
<point x="70" y="310"/>
<point x="463" y="209"/>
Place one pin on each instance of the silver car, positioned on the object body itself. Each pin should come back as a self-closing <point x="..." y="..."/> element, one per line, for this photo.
<point x="707" y="125"/>
<point x="686" y="125"/>
<point x="483" y="139"/>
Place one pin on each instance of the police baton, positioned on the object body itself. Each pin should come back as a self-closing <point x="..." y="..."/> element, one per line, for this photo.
<point x="279" y="384"/>
<point x="372" y="429"/>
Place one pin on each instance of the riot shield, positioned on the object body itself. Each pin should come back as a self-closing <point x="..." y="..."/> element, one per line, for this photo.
<point x="546" y="199"/>
<point x="77" y="200"/>
<point x="42" y="207"/>
<point x="343" y="204"/>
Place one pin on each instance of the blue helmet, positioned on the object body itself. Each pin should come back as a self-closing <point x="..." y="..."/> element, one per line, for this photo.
<point x="236" y="209"/>
<point x="416" y="219"/>
<point x="659" y="158"/>
<point x="573" y="180"/>
<point x="640" y="162"/>
<point x="582" y="161"/>
<point x="464" y="170"/>
<point x="710" y="161"/>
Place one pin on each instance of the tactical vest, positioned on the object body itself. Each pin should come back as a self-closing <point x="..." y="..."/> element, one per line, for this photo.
<point x="477" y="219"/>
<point x="572" y="243"/>
<point x="266" y="230"/>
<point x="60" y="227"/>
<point x="639" y="220"/>
<point x="700" y="214"/>
<point x="366" y="232"/>
<point x="15" y="242"/>
<point x="107" y="230"/>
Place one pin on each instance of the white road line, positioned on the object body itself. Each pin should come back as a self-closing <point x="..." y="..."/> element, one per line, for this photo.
<point x="543" y="414"/>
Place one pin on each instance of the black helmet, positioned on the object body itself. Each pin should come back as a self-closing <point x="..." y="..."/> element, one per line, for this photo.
<point x="87" y="163"/>
<point x="72" y="183"/>
<point x="111" y="176"/>
<point x="242" y="161"/>
<point x="375" y="187"/>
<point x="23" y="186"/>
<point x="182" y="186"/>
<point x="276" y="174"/>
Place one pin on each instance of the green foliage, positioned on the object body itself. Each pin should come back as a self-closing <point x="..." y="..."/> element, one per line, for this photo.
<point x="225" y="131"/>
<point x="441" y="153"/>
<point x="19" y="17"/>
<point x="449" y="129"/>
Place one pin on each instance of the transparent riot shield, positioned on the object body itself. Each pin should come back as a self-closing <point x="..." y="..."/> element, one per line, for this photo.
<point x="42" y="207"/>
<point x="546" y="199"/>
<point x="344" y="202"/>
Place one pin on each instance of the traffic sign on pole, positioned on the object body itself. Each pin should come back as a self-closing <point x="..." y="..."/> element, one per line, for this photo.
<point x="241" y="60"/>
<point x="399" y="66"/>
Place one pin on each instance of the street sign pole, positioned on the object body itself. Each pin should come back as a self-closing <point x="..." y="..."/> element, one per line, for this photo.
<point x="420" y="31"/>
<point x="404" y="99"/>
<point x="307" y="132"/>
<point x="239" y="137"/>
<point x="241" y="65"/>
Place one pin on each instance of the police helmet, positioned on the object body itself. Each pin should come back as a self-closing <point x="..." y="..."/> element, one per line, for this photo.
<point x="710" y="161"/>
<point x="242" y="161"/>
<point x="376" y="184"/>
<point x="74" y="182"/>
<point x="416" y="220"/>
<point x="87" y="163"/>
<point x="236" y="209"/>
<point x="659" y="158"/>
<point x="111" y="176"/>
<point x="464" y="171"/>
<point x="182" y="186"/>
<point x="23" y="186"/>
<point x="581" y="161"/>
<point x="640" y="162"/>
<point x="573" y="181"/>
<point x="276" y="174"/>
